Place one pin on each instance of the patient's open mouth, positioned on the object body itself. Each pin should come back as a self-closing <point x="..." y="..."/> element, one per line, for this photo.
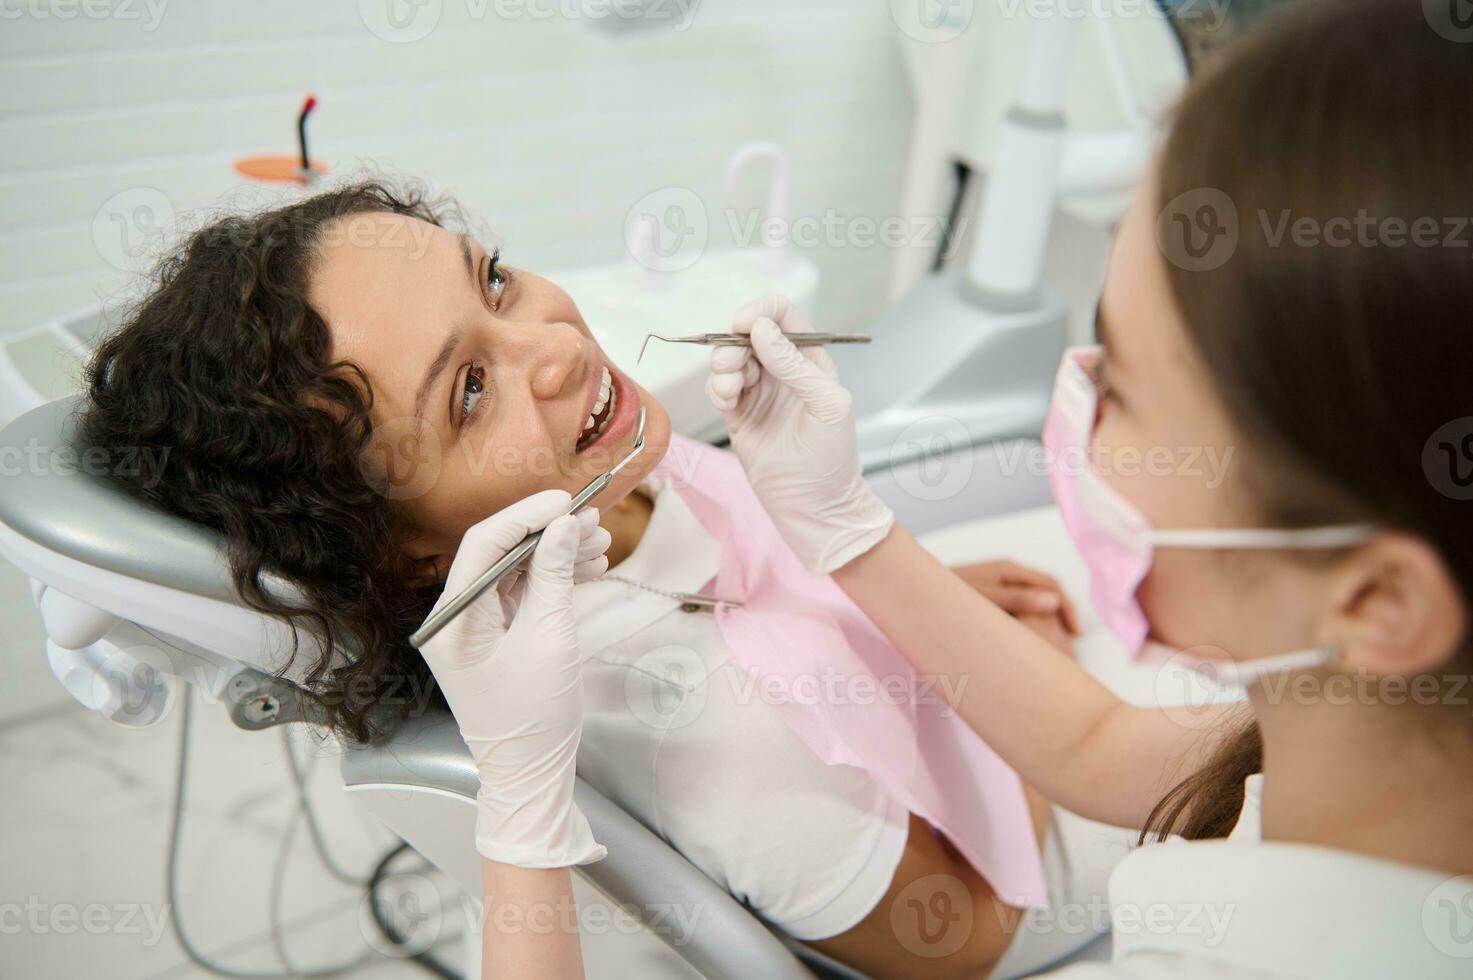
<point x="604" y="407"/>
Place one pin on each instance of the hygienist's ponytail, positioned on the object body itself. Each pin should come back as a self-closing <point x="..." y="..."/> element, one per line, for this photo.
<point x="1342" y="345"/>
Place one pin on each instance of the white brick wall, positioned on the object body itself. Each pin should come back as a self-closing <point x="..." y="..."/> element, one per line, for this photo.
<point x="548" y="129"/>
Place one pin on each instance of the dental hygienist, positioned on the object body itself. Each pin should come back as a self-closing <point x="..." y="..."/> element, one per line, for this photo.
<point x="1329" y="822"/>
<point x="1284" y="286"/>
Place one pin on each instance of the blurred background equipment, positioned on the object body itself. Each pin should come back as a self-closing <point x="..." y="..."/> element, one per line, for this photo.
<point x="297" y="169"/>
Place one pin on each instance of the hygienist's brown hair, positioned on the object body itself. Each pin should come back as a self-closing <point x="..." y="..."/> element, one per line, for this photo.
<point x="1338" y="361"/>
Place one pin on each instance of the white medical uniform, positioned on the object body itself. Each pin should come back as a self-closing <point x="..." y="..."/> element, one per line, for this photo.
<point x="1242" y="907"/>
<point x="676" y="735"/>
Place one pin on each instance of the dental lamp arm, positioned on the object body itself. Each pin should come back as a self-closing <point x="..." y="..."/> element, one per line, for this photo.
<point x="793" y="428"/>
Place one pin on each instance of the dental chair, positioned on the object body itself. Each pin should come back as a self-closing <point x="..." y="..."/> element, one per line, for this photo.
<point x="135" y="601"/>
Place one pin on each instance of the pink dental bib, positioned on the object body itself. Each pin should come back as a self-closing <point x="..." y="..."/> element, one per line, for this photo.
<point x="844" y="689"/>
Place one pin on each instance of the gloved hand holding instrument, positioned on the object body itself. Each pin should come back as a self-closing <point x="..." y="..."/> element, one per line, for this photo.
<point x="801" y="453"/>
<point x="509" y="667"/>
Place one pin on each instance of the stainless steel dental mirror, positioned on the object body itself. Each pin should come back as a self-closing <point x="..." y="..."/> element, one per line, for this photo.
<point x="515" y="556"/>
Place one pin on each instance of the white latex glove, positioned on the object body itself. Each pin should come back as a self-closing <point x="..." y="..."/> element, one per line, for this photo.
<point x="509" y="667"/>
<point x="792" y="426"/>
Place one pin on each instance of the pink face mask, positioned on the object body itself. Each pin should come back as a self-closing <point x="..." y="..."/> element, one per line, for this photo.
<point x="1117" y="542"/>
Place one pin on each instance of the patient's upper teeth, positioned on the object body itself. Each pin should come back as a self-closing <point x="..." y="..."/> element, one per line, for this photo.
<point x="607" y="396"/>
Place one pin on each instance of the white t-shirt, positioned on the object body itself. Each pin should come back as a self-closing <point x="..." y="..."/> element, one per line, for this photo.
<point x="678" y="736"/>
<point x="1243" y="907"/>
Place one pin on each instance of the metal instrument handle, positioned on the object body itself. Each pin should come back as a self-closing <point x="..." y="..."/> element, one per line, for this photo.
<point x="500" y="570"/>
<point x="798" y="339"/>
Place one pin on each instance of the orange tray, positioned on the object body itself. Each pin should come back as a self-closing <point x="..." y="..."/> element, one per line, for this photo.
<point x="277" y="169"/>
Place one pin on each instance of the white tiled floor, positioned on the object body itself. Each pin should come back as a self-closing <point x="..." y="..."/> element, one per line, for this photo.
<point x="86" y="819"/>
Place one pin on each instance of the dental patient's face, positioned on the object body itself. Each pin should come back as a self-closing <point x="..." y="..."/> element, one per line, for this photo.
<point x="487" y="384"/>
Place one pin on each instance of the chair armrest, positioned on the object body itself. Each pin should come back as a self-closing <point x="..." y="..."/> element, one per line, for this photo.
<point x="642" y="873"/>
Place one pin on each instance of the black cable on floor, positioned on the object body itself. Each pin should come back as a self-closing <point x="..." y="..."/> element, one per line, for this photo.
<point x="423" y="958"/>
<point x="370" y="884"/>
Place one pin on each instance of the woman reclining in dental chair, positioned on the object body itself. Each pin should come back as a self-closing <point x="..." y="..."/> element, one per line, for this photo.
<point x="345" y="386"/>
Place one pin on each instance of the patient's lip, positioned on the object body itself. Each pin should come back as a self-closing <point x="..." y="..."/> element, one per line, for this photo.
<point x="621" y="425"/>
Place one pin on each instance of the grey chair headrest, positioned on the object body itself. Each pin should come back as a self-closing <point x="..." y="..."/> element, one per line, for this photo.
<point x="61" y="496"/>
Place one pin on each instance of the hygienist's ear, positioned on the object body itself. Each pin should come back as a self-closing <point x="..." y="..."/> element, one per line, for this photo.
<point x="1395" y="609"/>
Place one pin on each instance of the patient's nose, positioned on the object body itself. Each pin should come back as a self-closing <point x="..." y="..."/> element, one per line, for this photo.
<point x="556" y="355"/>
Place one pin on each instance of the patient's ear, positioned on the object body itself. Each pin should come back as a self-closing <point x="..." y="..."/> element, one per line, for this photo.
<point x="1396" y="609"/>
<point x="428" y="571"/>
<point x="424" y="564"/>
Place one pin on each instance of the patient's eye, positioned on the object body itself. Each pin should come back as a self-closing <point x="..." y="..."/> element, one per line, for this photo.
<point x="497" y="279"/>
<point x="1099" y="374"/>
<point x="475" y="389"/>
<point x="1105" y="393"/>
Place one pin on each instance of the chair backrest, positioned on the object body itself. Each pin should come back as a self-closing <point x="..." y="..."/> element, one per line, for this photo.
<point x="60" y="495"/>
<point x="64" y="522"/>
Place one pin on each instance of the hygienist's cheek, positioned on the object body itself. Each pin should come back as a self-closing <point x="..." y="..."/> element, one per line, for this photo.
<point x="1187" y="600"/>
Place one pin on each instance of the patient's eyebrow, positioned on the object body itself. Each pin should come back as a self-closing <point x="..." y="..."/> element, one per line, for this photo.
<point x="447" y="350"/>
<point x="432" y="373"/>
<point x="470" y="262"/>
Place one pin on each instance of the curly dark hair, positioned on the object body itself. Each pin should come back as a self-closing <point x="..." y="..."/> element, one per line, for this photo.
<point x="225" y="363"/>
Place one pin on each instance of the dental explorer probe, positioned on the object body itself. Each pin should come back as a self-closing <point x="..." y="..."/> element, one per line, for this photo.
<point x="514" y="557"/>
<point x="742" y="340"/>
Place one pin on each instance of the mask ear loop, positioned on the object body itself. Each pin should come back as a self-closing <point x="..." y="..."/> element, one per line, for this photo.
<point x="1233" y="673"/>
<point x="1306" y="538"/>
